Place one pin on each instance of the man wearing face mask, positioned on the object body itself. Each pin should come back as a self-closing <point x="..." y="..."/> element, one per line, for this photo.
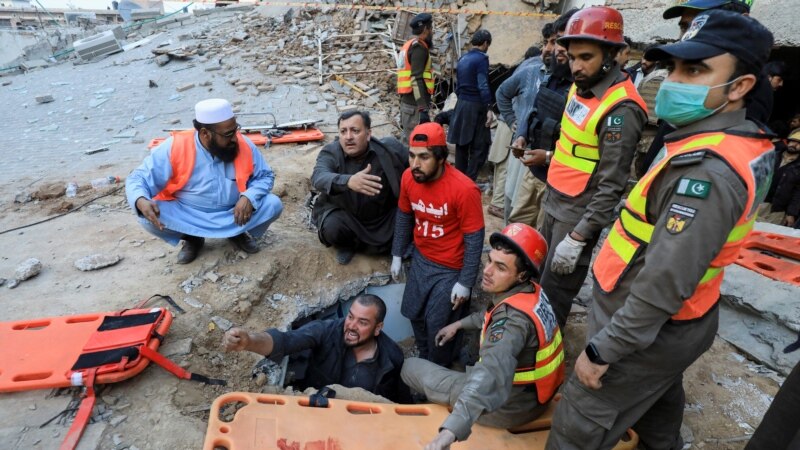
<point x="602" y="122"/>
<point x="415" y="82"/>
<point x="210" y="182"/>
<point x="758" y="103"/>
<point x="658" y="274"/>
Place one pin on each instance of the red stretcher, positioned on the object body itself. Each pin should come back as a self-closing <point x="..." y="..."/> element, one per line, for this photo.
<point x="267" y="422"/>
<point x="773" y="255"/>
<point x="285" y="137"/>
<point x="84" y="350"/>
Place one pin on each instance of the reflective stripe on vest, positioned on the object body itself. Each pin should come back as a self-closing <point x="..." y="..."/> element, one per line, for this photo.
<point x="547" y="372"/>
<point x="404" y="79"/>
<point x="631" y="233"/>
<point x="578" y="149"/>
<point x="182" y="157"/>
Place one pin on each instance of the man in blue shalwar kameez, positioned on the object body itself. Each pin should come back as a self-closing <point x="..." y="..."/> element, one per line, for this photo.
<point x="210" y="182"/>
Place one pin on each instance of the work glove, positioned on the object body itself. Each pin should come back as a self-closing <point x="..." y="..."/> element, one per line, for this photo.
<point x="397" y="268"/>
<point x="459" y="295"/>
<point x="424" y="117"/>
<point x="566" y="255"/>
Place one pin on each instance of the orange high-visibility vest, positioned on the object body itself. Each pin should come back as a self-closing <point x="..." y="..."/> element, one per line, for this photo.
<point x="748" y="156"/>
<point x="182" y="157"/>
<point x="578" y="149"/>
<point x="548" y="371"/>
<point x="404" y="72"/>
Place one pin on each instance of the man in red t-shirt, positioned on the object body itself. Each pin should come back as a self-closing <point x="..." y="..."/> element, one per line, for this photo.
<point x="441" y="207"/>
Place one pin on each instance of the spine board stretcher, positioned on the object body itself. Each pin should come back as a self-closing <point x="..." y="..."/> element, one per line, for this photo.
<point x="288" y="137"/>
<point x="773" y="255"/>
<point x="84" y="350"/>
<point x="282" y="422"/>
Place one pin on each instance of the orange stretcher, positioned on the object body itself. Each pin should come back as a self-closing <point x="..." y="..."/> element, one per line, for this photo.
<point x="286" y="137"/>
<point x="84" y="350"/>
<point x="773" y="255"/>
<point x="281" y="422"/>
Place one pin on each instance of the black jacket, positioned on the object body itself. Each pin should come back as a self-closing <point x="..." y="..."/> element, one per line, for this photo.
<point x="330" y="180"/>
<point x="784" y="192"/>
<point x="325" y="340"/>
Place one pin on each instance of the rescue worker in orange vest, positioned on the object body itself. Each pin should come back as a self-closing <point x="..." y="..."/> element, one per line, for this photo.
<point x="415" y="76"/>
<point x="521" y="353"/>
<point x="210" y="182"/>
<point x="602" y="123"/>
<point x="658" y="273"/>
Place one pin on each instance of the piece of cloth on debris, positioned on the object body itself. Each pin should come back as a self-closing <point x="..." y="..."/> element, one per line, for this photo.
<point x="204" y="206"/>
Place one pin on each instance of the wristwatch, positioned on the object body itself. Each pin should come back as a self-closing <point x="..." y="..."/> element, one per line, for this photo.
<point x="594" y="356"/>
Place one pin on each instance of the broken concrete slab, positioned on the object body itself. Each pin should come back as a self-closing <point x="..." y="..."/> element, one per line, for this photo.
<point x="761" y="316"/>
<point x="44" y="98"/>
<point x="96" y="261"/>
<point x="180" y="347"/>
<point x="162" y="60"/>
<point x="28" y="269"/>
<point x="507" y="47"/>
<point x="185" y="87"/>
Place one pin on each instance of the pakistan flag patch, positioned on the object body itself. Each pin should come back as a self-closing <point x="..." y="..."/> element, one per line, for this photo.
<point x="693" y="188"/>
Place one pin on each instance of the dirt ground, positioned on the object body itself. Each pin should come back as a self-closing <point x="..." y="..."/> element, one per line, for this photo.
<point x="292" y="276"/>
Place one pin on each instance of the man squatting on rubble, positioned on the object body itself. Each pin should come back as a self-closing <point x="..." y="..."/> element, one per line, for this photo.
<point x="358" y="178"/>
<point x="441" y="208"/>
<point x="210" y="182"/>
<point x="657" y="276"/>
<point x="352" y="351"/>
<point x="521" y="353"/>
<point x="415" y="83"/>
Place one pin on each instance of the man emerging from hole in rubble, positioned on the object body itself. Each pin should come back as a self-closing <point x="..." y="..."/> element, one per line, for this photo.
<point x="351" y="351"/>
<point x="521" y="354"/>
<point x="210" y="182"/>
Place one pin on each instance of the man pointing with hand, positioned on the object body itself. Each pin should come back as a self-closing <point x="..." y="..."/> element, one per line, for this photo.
<point x="358" y="178"/>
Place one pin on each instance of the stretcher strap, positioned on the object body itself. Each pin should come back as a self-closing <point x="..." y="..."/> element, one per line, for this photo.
<point x="103" y="357"/>
<point x="128" y="321"/>
<point x="175" y="369"/>
<point x="84" y="413"/>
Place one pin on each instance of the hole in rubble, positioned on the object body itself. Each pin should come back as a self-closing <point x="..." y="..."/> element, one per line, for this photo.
<point x="227" y="411"/>
<point x="395" y="325"/>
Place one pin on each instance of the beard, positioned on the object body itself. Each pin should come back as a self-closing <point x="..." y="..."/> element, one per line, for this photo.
<point x="559" y="70"/>
<point x="591" y="80"/>
<point x="225" y="154"/>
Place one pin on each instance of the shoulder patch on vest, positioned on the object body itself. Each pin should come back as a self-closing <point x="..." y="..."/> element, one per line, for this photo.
<point x="499" y="323"/>
<point x="615" y="121"/>
<point x="693" y="188"/>
<point x="688" y="159"/>
<point x="680" y="217"/>
<point x="497" y="334"/>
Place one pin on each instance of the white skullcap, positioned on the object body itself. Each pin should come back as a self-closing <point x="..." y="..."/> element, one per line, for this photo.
<point x="213" y="110"/>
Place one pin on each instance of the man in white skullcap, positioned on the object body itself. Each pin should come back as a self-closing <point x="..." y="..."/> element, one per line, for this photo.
<point x="210" y="182"/>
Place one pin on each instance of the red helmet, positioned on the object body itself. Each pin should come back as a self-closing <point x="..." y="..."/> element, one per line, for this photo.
<point x="596" y="23"/>
<point x="528" y="243"/>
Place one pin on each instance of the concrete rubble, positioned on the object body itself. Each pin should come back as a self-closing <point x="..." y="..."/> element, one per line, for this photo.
<point x="96" y="261"/>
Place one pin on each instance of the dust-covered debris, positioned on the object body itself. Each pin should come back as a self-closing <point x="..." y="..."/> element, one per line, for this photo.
<point x="28" y="269"/>
<point x="96" y="261"/>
